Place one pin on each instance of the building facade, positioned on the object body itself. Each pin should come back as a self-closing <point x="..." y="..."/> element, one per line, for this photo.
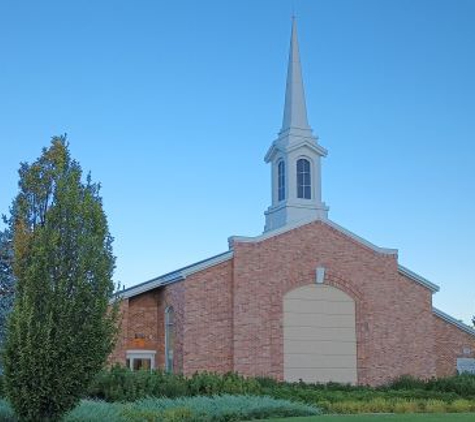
<point x="306" y="300"/>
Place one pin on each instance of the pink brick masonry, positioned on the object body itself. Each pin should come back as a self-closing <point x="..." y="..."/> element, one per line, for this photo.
<point x="229" y="317"/>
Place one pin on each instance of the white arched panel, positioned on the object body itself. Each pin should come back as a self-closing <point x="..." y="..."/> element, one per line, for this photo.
<point x="319" y="335"/>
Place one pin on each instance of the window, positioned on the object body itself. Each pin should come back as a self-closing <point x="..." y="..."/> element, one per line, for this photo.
<point x="138" y="360"/>
<point x="169" y="338"/>
<point x="304" y="189"/>
<point x="281" y="180"/>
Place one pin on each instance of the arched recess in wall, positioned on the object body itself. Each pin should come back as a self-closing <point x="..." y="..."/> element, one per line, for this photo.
<point x="319" y="335"/>
<point x="169" y="338"/>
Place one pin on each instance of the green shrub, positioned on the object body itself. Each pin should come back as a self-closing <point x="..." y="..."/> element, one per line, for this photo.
<point x="406" y="406"/>
<point x="435" y="406"/>
<point x="208" y="384"/>
<point x="407" y="382"/>
<point x="405" y="395"/>
<point x="461" y="385"/>
<point x="121" y="384"/>
<point x="224" y="408"/>
<point x="94" y="411"/>
<point x="461" y="406"/>
<point x="189" y="409"/>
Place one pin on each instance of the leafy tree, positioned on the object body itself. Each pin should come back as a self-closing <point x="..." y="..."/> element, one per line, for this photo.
<point x="6" y="280"/>
<point x="61" y="329"/>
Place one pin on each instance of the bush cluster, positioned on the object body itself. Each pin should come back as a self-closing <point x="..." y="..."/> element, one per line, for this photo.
<point x="390" y="405"/>
<point x="403" y="395"/>
<point x="463" y="385"/>
<point x="187" y="409"/>
<point x="121" y="384"/>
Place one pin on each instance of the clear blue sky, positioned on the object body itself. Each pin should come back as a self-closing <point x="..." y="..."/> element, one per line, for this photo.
<point x="172" y="105"/>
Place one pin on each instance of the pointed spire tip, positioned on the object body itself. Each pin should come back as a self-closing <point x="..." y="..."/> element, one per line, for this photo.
<point x="295" y="109"/>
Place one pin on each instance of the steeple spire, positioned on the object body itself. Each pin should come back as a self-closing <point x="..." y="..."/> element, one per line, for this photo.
<point x="295" y="109"/>
<point x="295" y="156"/>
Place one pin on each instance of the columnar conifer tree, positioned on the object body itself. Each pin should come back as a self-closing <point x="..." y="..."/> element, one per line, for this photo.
<point x="62" y="327"/>
<point x="6" y="281"/>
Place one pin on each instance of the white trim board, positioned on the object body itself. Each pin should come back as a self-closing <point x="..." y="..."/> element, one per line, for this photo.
<point x="175" y="276"/>
<point x="453" y="321"/>
<point x="418" y="279"/>
<point x="182" y="273"/>
<point x="332" y="224"/>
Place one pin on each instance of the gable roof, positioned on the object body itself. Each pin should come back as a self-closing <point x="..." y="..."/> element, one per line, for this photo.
<point x="300" y="223"/>
<point x="182" y="273"/>
<point x="453" y="321"/>
<point x="174" y="276"/>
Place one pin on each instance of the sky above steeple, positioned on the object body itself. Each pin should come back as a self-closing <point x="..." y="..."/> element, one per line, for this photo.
<point x="165" y="124"/>
<point x="295" y="109"/>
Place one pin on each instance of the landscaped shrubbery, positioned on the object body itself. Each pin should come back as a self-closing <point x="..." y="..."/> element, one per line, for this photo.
<point x="120" y="384"/>
<point x="188" y="409"/>
<point x="402" y="396"/>
<point x="462" y="385"/>
<point x="405" y="395"/>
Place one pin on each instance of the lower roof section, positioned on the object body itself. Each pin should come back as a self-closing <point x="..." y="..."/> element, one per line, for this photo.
<point x="174" y="276"/>
<point x="453" y="321"/>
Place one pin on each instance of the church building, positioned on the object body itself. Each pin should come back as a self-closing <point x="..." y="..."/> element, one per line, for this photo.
<point x="305" y="300"/>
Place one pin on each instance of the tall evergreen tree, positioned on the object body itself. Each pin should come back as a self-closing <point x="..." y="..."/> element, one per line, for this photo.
<point x="6" y="281"/>
<point x="62" y="328"/>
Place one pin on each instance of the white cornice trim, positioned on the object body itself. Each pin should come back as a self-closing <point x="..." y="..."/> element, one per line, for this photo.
<point x="281" y="146"/>
<point x="383" y="251"/>
<point x="175" y="276"/>
<point x="269" y="234"/>
<point x="309" y="144"/>
<point x="418" y="279"/>
<point x="284" y="229"/>
<point x="453" y="321"/>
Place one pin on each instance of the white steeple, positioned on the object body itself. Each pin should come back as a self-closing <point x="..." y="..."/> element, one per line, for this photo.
<point x="295" y="109"/>
<point x="295" y="156"/>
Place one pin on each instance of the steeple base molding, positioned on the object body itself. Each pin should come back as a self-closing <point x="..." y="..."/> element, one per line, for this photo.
<point x="285" y="214"/>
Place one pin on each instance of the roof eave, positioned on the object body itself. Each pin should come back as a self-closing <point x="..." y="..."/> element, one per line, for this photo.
<point x="173" y="277"/>
<point x="434" y="288"/>
<point x="451" y="320"/>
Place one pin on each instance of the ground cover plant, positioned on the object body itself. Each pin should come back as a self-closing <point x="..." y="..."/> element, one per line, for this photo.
<point x="382" y="418"/>
<point x="119" y="385"/>
<point x="187" y="409"/>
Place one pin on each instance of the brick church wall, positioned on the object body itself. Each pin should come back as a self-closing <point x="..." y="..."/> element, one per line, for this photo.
<point x="393" y="315"/>
<point x="119" y="353"/>
<point x="229" y="317"/>
<point x="208" y="329"/>
<point x="143" y="324"/>
<point x="450" y="344"/>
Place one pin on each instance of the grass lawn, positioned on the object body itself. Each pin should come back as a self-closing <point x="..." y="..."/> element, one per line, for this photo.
<point x="445" y="417"/>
